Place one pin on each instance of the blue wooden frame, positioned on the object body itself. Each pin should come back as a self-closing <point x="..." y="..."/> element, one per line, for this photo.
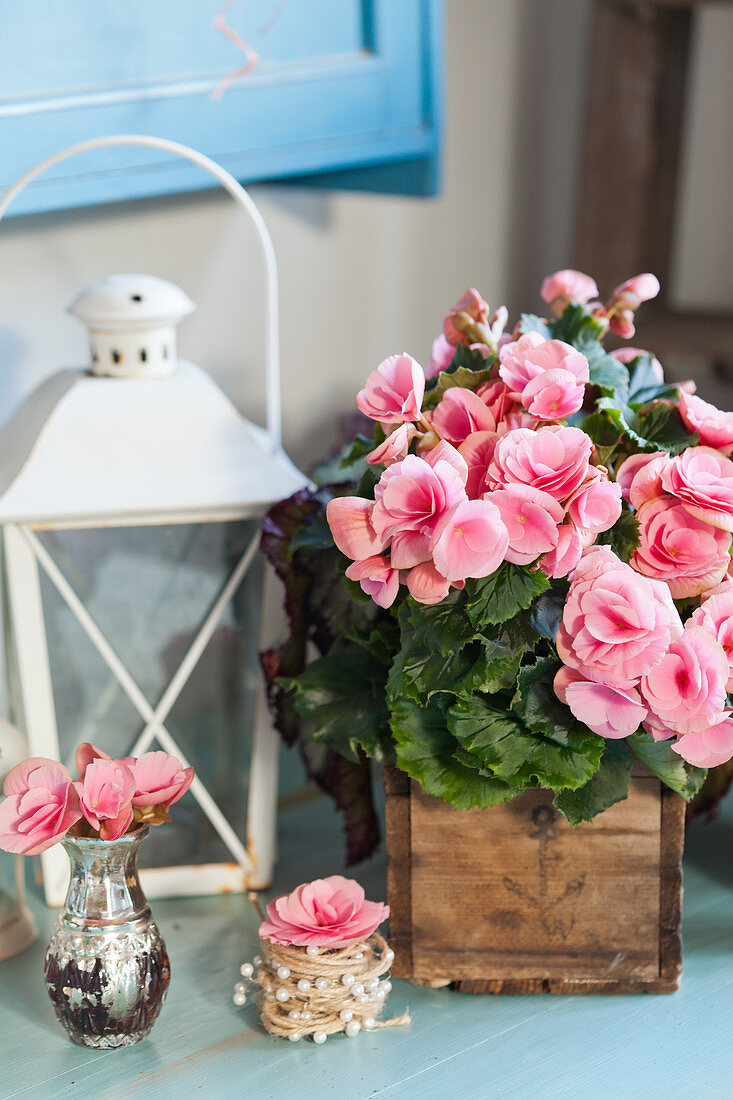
<point x="351" y="98"/>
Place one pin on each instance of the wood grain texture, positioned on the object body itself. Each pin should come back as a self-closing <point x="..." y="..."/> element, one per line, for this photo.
<point x="515" y="900"/>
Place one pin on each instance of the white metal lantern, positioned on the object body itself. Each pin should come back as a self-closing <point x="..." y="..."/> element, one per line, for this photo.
<point x="141" y="439"/>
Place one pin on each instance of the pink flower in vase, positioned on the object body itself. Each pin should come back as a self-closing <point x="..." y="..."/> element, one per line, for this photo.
<point x="87" y="753"/>
<point x="41" y="805"/>
<point x="105" y="795"/>
<point x="394" y="391"/>
<point x="160" y="780"/>
<point x="324" y="913"/>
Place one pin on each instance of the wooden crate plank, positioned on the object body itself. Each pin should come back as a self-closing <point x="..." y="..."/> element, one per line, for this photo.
<point x="399" y="869"/>
<point x="552" y="903"/>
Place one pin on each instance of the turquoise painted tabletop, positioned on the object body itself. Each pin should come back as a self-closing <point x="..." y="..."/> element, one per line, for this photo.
<point x="458" y="1046"/>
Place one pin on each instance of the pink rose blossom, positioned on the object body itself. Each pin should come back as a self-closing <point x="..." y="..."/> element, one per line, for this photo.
<point x="531" y="518"/>
<point x="702" y="480"/>
<point x="571" y="543"/>
<point x="686" y="689"/>
<point x="714" y="427"/>
<point x="395" y="446"/>
<point x="627" y="355"/>
<point x="426" y="585"/>
<point x="477" y="450"/>
<point x="41" y="804"/>
<point x="350" y="520"/>
<point x="377" y="578"/>
<point x="87" y="753"/>
<point x="413" y="494"/>
<point x="709" y="747"/>
<point x="469" y="540"/>
<point x="160" y="779"/>
<point x="460" y="413"/>
<point x="554" y="459"/>
<point x="616" y="626"/>
<point x="553" y="395"/>
<point x="324" y="913"/>
<point x="608" y="711"/>
<point x="531" y="355"/>
<point x="567" y="287"/>
<point x="716" y="616"/>
<point x="105" y="795"/>
<point x="690" y="555"/>
<point x="595" y="506"/>
<point x="441" y="357"/>
<point x="466" y="322"/>
<point x="394" y="391"/>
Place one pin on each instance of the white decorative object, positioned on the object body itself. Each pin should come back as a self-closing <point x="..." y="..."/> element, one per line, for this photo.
<point x="141" y="438"/>
<point x="17" y="927"/>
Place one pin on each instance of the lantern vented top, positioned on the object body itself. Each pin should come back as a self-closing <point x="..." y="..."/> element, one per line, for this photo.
<point x="132" y="325"/>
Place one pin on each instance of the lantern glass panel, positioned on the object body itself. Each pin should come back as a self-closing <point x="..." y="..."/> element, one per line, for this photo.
<point x="149" y="589"/>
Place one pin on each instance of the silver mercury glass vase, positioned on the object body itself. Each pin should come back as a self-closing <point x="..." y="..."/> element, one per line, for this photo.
<point x="106" y="966"/>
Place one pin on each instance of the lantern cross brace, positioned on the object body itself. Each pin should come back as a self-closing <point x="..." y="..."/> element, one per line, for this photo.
<point x="155" y="717"/>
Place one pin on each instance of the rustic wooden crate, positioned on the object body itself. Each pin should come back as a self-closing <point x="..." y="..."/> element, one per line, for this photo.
<point x="515" y="900"/>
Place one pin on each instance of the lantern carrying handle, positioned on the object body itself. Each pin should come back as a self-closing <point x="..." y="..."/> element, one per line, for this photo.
<point x="242" y="198"/>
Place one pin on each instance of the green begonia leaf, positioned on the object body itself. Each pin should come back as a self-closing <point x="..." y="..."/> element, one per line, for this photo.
<point x="610" y="784"/>
<point x="464" y="377"/>
<point x="623" y="537"/>
<point x="660" y="757"/>
<point x="509" y="590"/>
<point x="426" y="751"/>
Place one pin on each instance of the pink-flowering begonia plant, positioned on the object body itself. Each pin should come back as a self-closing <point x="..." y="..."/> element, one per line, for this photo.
<point x="542" y="532"/>
<point x="111" y="797"/>
<point x="326" y="913"/>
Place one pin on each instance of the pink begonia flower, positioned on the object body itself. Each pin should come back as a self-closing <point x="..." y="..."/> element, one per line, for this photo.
<point x="41" y="804"/>
<point x="714" y="427"/>
<point x="616" y="626"/>
<point x="426" y="585"/>
<point x="627" y="355"/>
<point x="469" y="540"/>
<point x="413" y="494"/>
<point x="105" y="795"/>
<point x="394" y="448"/>
<point x="441" y="356"/>
<point x="608" y="711"/>
<point x="531" y="355"/>
<point x="324" y="913"/>
<point x="702" y="480"/>
<point x="498" y="400"/>
<point x="716" y="616"/>
<point x="377" y="578"/>
<point x="622" y="323"/>
<point x="460" y="413"/>
<point x="561" y="561"/>
<point x="641" y="288"/>
<point x="394" y="391"/>
<point x="160" y="779"/>
<point x="658" y="730"/>
<point x="466" y="322"/>
<point x="446" y="452"/>
<point x="649" y="485"/>
<point x="554" y="459"/>
<point x="567" y="287"/>
<point x="553" y="395"/>
<point x="690" y="555"/>
<point x="596" y="506"/>
<point x="707" y="748"/>
<point x="87" y="753"/>
<point x="531" y="518"/>
<point x="686" y="689"/>
<point x="477" y="450"/>
<point x="350" y="520"/>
